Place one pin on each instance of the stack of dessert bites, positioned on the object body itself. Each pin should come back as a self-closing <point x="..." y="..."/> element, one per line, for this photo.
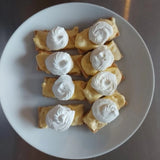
<point x="95" y="60"/>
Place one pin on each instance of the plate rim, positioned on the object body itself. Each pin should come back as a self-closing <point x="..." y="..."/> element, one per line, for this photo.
<point x="149" y="57"/>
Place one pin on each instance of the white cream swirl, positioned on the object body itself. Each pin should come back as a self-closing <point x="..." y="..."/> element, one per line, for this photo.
<point x="63" y="88"/>
<point x="57" y="38"/>
<point x="105" y="110"/>
<point x="59" y="63"/>
<point x="104" y="83"/>
<point x="101" y="58"/>
<point x="60" y="118"/>
<point x="100" y="32"/>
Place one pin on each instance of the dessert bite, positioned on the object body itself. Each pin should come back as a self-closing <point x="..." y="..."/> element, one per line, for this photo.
<point x="100" y="33"/>
<point x="60" y="117"/>
<point x="55" y="39"/>
<point x="103" y="83"/>
<point x="63" y="88"/>
<point x="104" y="111"/>
<point x="58" y="63"/>
<point x="99" y="59"/>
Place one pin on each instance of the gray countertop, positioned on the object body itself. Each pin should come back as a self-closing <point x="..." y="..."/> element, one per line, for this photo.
<point x="144" y="15"/>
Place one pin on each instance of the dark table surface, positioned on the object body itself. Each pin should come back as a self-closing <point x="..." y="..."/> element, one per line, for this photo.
<point x="144" y="15"/>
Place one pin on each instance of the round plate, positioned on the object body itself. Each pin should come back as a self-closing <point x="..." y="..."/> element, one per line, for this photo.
<point x="20" y="84"/>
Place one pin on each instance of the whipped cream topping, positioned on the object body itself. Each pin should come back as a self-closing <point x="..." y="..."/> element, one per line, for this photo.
<point x="105" y="110"/>
<point x="59" y="63"/>
<point x="104" y="83"/>
<point x="60" y="118"/>
<point x="57" y="38"/>
<point x="63" y="88"/>
<point x="100" y="32"/>
<point x="101" y="58"/>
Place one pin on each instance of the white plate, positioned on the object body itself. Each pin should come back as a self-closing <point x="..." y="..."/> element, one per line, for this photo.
<point x="20" y="84"/>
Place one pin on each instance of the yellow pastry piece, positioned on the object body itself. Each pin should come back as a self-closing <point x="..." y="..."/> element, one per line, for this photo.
<point x="115" y="70"/>
<point x="41" y="35"/>
<point x="86" y="65"/>
<point x="42" y="55"/>
<point x="82" y="42"/>
<point x="78" y="118"/>
<point x="93" y="124"/>
<point x="91" y="94"/>
<point x="78" y="92"/>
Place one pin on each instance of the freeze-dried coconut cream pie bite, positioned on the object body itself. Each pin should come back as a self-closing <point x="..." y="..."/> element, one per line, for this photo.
<point x="58" y="63"/>
<point x="56" y="39"/>
<point x="103" y="83"/>
<point x="99" y="59"/>
<point x="60" y="117"/>
<point x="104" y="111"/>
<point x="103" y="31"/>
<point x="63" y="88"/>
